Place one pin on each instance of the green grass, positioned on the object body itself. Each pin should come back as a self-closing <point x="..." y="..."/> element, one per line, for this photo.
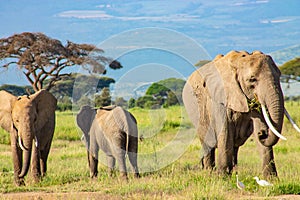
<point x="183" y="179"/>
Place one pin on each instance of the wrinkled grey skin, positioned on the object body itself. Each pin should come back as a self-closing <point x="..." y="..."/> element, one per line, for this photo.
<point x="32" y="119"/>
<point x="218" y="98"/>
<point x="114" y="131"/>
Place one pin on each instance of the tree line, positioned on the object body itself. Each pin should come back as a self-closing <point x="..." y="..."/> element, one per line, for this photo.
<point x="163" y="93"/>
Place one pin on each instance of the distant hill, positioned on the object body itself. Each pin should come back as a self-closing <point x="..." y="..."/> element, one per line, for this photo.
<point x="284" y="55"/>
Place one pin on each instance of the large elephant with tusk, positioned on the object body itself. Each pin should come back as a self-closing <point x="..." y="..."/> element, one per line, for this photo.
<point x="30" y="120"/>
<point x="231" y="98"/>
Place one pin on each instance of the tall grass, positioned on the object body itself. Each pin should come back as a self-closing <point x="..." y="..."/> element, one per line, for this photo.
<point x="183" y="179"/>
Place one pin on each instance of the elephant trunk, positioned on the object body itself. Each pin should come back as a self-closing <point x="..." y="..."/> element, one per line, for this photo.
<point x="27" y="145"/>
<point x="275" y="106"/>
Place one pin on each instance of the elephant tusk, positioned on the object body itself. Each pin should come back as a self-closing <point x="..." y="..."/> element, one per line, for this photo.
<point x="36" y="142"/>
<point x="20" y="144"/>
<point x="270" y="125"/>
<point x="291" y="120"/>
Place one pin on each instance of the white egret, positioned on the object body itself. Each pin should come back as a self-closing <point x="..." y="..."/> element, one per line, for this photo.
<point x="262" y="182"/>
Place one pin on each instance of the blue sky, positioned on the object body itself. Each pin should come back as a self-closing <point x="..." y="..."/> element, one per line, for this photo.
<point x="216" y="26"/>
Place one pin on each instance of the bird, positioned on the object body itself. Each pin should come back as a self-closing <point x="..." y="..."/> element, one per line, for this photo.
<point x="239" y="184"/>
<point x="262" y="182"/>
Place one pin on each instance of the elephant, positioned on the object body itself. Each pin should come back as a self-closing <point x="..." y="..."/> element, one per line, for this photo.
<point x="30" y="120"/>
<point x="231" y="98"/>
<point x="113" y="130"/>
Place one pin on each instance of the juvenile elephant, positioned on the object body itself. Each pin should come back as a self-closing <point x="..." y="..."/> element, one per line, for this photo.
<point x="229" y="99"/>
<point x="27" y="119"/>
<point x="113" y="130"/>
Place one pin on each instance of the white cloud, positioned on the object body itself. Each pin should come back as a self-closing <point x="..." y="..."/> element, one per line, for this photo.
<point x="90" y="14"/>
<point x="243" y="3"/>
<point x="85" y="14"/>
<point x="104" y="6"/>
<point x="274" y="21"/>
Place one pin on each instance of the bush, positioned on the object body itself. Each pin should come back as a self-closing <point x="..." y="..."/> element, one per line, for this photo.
<point x="64" y="107"/>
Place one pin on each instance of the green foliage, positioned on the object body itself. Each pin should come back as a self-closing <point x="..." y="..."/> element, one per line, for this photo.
<point x="104" y="99"/>
<point x="157" y="89"/>
<point x="84" y="85"/>
<point x="146" y="101"/>
<point x="161" y="88"/>
<point x="17" y="90"/>
<point x="4" y="137"/>
<point x="169" y="125"/>
<point x="166" y="92"/>
<point x="131" y="103"/>
<point x="291" y="67"/>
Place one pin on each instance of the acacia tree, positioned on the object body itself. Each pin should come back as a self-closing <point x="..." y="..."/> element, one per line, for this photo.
<point x="41" y="57"/>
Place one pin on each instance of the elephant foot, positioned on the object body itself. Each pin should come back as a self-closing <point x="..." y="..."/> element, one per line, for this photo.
<point x="93" y="175"/>
<point x="111" y="172"/>
<point x="269" y="173"/>
<point x="19" y="181"/>
<point x="225" y="171"/>
<point x="123" y="176"/>
<point x="37" y="179"/>
<point x="137" y="175"/>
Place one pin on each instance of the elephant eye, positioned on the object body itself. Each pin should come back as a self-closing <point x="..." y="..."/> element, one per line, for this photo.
<point x="252" y="79"/>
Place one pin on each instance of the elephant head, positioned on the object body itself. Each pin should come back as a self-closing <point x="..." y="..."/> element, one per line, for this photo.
<point x="23" y="117"/>
<point x="84" y="120"/>
<point x="252" y="81"/>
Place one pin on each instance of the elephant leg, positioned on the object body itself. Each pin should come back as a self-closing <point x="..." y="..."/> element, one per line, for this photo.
<point x="119" y="146"/>
<point x="93" y="166"/>
<point x="208" y="161"/>
<point x="35" y="164"/>
<point x="268" y="163"/>
<point x="120" y="156"/>
<point x="269" y="168"/>
<point x="111" y="162"/>
<point x="132" y="155"/>
<point x="17" y="160"/>
<point x="44" y="157"/>
<point x="235" y="156"/>
<point x="225" y="152"/>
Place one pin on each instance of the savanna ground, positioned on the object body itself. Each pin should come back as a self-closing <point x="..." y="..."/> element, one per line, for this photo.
<point x="68" y="173"/>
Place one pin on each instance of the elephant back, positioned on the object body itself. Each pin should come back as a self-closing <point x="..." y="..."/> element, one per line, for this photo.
<point x="120" y="119"/>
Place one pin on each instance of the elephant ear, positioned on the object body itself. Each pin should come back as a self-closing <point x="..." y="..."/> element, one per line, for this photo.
<point x="235" y="98"/>
<point x="7" y="101"/>
<point x="220" y="79"/>
<point x="84" y="118"/>
<point x="45" y="105"/>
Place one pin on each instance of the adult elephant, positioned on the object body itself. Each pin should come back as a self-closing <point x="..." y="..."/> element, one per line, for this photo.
<point x="27" y="119"/>
<point x="229" y="99"/>
<point x="113" y="130"/>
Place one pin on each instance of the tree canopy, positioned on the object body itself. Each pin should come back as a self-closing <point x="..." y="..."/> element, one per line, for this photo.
<point x="161" y="88"/>
<point x="17" y="90"/>
<point x="83" y="85"/>
<point x="291" y="69"/>
<point x="166" y="92"/>
<point x="41" y="57"/>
